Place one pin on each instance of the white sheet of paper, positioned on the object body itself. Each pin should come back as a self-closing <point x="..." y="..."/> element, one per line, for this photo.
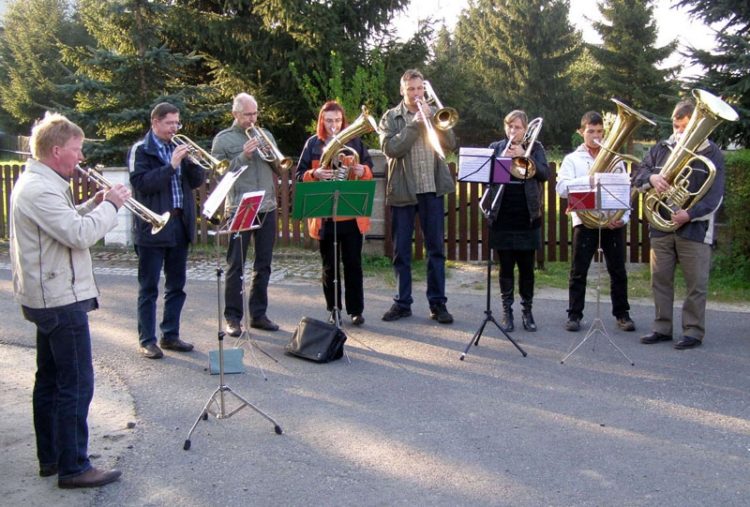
<point x="474" y="164"/>
<point x="615" y="190"/>
<point x="220" y="192"/>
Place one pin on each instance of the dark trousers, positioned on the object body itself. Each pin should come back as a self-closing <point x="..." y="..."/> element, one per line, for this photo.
<point x="64" y="386"/>
<point x="150" y="262"/>
<point x="524" y="259"/>
<point x="585" y="245"/>
<point x="350" y="255"/>
<point x="264" y="238"/>
<point x="430" y="209"/>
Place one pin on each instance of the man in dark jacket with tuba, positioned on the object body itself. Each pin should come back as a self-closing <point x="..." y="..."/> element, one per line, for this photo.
<point x="690" y="244"/>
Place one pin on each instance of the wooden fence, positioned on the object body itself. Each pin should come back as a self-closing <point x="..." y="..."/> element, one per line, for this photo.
<point x="466" y="230"/>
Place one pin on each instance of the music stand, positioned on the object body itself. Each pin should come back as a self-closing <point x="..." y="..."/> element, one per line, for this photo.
<point x="608" y="195"/>
<point x="220" y="412"/>
<point x="333" y="199"/>
<point x="480" y="165"/>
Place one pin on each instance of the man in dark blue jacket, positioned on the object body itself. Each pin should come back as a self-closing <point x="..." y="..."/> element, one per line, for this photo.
<point x="163" y="179"/>
<point x="690" y="243"/>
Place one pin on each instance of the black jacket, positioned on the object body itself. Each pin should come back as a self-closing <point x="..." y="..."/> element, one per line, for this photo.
<point x="150" y="178"/>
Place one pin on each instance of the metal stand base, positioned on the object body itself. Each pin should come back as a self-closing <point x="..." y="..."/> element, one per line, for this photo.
<point x="597" y="326"/>
<point x="488" y="317"/>
<point x="216" y="405"/>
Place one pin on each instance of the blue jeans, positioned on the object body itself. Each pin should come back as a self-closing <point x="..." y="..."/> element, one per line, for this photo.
<point x="150" y="262"/>
<point x="430" y="209"/>
<point x="257" y="303"/>
<point x="64" y="386"/>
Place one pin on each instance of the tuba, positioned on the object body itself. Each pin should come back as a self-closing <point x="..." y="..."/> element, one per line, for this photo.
<point x="335" y="152"/>
<point x="628" y="120"/>
<point x="658" y="208"/>
<point x="523" y="167"/>
<point x="267" y="150"/>
<point x="157" y="221"/>
<point x="200" y="156"/>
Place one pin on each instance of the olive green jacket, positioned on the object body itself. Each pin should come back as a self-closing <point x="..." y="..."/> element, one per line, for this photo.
<point x="397" y="135"/>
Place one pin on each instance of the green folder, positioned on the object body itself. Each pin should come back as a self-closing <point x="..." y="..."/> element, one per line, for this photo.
<point x="327" y="199"/>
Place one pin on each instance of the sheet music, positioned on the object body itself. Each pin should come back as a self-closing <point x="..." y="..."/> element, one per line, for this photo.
<point x="220" y="192"/>
<point x="474" y="164"/>
<point x="615" y="190"/>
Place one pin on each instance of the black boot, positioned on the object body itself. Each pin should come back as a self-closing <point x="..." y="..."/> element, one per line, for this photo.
<point x="506" y="292"/>
<point x="526" y="289"/>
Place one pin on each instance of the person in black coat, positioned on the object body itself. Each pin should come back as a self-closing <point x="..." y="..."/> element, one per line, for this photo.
<point x="515" y="223"/>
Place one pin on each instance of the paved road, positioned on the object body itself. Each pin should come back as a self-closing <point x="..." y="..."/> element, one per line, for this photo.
<point x="405" y="422"/>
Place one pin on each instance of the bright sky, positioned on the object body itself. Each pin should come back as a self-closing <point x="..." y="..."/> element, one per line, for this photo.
<point x="672" y="23"/>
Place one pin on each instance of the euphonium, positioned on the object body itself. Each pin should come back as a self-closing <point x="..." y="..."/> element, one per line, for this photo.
<point x="267" y="150"/>
<point x="625" y="125"/>
<point x="336" y="149"/>
<point x="157" y="221"/>
<point x="658" y="208"/>
<point x="200" y="156"/>
<point x="523" y="167"/>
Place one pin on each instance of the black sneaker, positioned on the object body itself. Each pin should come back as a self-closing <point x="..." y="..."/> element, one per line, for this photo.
<point x="573" y="324"/>
<point x="626" y="323"/>
<point x="440" y="313"/>
<point x="396" y="312"/>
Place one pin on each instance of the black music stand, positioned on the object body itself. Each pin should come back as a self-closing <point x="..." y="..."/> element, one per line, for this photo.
<point x="333" y="199"/>
<point x="603" y="198"/>
<point x="220" y="412"/>
<point x="484" y="167"/>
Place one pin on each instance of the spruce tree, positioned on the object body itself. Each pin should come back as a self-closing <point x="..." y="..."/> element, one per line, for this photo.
<point x="727" y="68"/>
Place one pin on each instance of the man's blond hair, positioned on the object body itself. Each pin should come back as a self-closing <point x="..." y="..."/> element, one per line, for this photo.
<point x="52" y="130"/>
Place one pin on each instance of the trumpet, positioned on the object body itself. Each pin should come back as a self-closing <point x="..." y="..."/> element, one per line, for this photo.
<point x="200" y="156"/>
<point x="267" y="150"/>
<point x="157" y="221"/>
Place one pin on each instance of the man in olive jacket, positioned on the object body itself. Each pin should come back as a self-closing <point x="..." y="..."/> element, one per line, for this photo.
<point x="418" y="180"/>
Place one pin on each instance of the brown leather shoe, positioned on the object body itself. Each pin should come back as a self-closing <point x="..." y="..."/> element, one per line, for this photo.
<point x="91" y="478"/>
<point x="178" y="345"/>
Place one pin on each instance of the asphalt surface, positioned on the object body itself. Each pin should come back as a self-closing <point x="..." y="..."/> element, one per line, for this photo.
<point x="404" y="421"/>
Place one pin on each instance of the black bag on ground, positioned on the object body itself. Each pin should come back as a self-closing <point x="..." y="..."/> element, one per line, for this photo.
<point x="317" y="341"/>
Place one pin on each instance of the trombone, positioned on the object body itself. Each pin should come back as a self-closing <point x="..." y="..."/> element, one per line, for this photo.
<point x="523" y="167"/>
<point x="267" y="150"/>
<point x="200" y="156"/>
<point x="444" y="118"/>
<point x="157" y="221"/>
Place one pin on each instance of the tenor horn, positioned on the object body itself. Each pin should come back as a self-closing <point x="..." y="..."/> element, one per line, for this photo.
<point x="200" y="156"/>
<point x="609" y="156"/>
<point x="336" y="148"/>
<point x="157" y="221"/>
<point x="658" y="208"/>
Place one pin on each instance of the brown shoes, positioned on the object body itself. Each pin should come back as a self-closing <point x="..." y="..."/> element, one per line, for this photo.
<point x="178" y="345"/>
<point x="91" y="478"/>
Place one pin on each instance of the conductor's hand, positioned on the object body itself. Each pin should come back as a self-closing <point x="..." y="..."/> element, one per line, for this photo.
<point x="117" y="195"/>
<point x="179" y="153"/>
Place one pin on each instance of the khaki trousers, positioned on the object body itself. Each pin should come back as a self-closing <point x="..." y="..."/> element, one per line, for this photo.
<point x="695" y="261"/>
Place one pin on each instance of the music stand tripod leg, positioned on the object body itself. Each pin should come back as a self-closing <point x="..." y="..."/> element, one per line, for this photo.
<point x="221" y="413"/>
<point x="488" y="313"/>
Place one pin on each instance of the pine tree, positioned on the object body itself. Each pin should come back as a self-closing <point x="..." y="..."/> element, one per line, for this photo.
<point x="30" y="64"/>
<point x="628" y="57"/>
<point x="520" y="53"/>
<point x="727" y="68"/>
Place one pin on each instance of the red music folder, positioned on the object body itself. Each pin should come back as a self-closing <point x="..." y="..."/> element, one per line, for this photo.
<point x="581" y="200"/>
<point x="247" y="212"/>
